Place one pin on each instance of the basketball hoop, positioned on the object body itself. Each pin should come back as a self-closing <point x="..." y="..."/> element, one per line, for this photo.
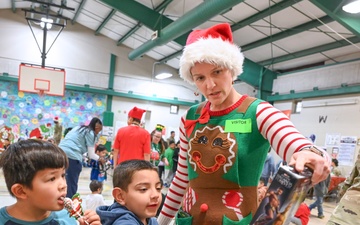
<point x="41" y="80"/>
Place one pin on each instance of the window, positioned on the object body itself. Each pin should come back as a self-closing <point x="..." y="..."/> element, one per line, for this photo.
<point x="297" y="106"/>
<point x="174" y="109"/>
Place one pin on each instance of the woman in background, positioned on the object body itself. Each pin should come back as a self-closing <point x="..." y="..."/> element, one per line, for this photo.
<point x="80" y="140"/>
<point x="157" y="155"/>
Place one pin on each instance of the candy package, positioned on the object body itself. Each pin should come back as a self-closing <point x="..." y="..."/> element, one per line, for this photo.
<point x="287" y="190"/>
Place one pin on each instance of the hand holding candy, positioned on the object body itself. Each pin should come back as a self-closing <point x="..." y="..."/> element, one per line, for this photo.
<point x="73" y="206"/>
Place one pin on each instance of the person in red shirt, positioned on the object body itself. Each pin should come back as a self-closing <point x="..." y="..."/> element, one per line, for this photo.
<point x="302" y="215"/>
<point x="132" y="141"/>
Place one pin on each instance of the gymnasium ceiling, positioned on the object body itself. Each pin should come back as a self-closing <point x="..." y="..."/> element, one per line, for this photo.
<point x="277" y="35"/>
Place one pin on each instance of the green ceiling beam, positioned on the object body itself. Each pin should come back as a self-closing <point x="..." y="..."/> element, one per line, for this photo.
<point x="258" y="16"/>
<point x="288" y="32"/>
<point x="266" y="12"/>
<point x="102" y="25"/>
<point x="258" y="77"/>
<point x="316" y="93"/>
<point x="77" y="13"/>
<point x="86" y="88"/>
<point x="333" y="8"/>
<point x="160" y="7"/>
<point x="310" y="51"/>
<point x="169" y="57"/>
<point x="193" y="18"/>
<point x="252" y="70"/>
<point x="137" y="11"/>
<point x="163" y="5"/>
<point x="129" y="33"/>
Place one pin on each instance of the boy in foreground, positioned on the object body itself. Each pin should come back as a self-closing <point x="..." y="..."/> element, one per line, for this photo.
<point x="137" y="194"/>
<point x="34" y="173"/>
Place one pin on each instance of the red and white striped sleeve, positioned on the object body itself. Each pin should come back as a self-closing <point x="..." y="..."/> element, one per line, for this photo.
<point x="276" y="127"/>
<point x="283" y="137"/>
<point x="179" y="184"/>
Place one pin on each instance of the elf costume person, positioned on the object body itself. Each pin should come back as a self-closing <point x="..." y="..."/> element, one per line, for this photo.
<point x="224" y="140"/>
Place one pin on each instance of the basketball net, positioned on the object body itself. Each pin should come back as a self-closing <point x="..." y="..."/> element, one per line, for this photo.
<point x="41" y="93"/>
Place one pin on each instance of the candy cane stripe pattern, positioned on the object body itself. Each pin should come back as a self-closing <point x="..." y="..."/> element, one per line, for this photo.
<point x="189" y="200"/>
<point x="233" y="200"/>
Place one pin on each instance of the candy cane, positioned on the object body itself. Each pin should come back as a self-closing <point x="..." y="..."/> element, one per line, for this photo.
<point x="233" y="200"/>
<point x="189" y="200"/>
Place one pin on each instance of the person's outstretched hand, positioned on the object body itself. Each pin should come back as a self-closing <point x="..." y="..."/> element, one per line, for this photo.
<point x="319" y="164"/>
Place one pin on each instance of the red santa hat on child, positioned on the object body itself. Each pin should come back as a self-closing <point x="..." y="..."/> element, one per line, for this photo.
<point x="213" y="45"/>
<point x="136" y="113"/>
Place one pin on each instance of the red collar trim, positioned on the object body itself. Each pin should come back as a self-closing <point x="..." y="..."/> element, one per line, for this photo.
<point x="225" y="111"/>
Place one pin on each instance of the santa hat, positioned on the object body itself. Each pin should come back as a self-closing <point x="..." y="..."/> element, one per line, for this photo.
<point x="213" y="45"/>
<point x="56" y="119"/>
<point x="136" y="113"/>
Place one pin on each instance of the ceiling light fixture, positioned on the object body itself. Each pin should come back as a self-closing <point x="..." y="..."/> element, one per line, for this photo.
<point x="42" y="16"/>
<point x="46" y="22"/>
<point x="352" y="7"/>
<point x="161" y="76"/>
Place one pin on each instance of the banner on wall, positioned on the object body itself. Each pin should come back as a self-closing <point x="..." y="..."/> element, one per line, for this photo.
<point x="346" y="152"/>
<point x="108" y="132"/>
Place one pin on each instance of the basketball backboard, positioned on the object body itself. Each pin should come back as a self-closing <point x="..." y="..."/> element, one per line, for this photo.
<point x="36" y="79"/>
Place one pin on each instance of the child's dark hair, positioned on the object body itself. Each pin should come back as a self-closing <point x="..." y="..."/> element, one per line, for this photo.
<point x="23" y="159"/>
<point x="95" y="185"/>
<point x="336" y="162"/>
<point x="124" y="172"/>
<point x="100" y="148"/>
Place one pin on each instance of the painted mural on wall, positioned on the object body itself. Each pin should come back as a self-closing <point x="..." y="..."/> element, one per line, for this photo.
<point x="26" y="112"/>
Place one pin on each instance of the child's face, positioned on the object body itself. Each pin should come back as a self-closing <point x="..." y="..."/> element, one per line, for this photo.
<point x="101" y="153"/>
<point x="48" y="187"/>
<point x="143" y="197"/>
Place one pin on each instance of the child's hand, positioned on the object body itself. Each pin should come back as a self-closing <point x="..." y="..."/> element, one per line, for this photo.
<point x="90" y="217"/>
<point x="102" y="160"/>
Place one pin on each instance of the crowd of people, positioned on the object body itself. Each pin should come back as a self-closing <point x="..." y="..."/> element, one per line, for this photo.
<point x="212" y="171"/>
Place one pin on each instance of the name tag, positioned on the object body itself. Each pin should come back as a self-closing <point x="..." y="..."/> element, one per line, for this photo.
<point x="239" y="125"/>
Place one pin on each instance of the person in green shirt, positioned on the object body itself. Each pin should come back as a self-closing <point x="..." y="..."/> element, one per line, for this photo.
<point x="169" y="153"/>
<point x="157" y="155"/>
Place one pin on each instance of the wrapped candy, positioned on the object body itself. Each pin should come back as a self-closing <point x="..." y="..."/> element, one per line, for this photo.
<point x="73" y="206"/>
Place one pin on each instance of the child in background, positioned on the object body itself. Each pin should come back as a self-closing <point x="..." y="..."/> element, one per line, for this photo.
<point x="169" y="153"/>
<point x="95" y="199"/>
<point x="302" y="215"/>
<point x="98" y="170"/>
<point x="34" y="172"/>
<point x="137" y="194"/>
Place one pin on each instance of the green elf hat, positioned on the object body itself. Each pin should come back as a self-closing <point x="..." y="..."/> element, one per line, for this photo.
<point x="159" y="127"/>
